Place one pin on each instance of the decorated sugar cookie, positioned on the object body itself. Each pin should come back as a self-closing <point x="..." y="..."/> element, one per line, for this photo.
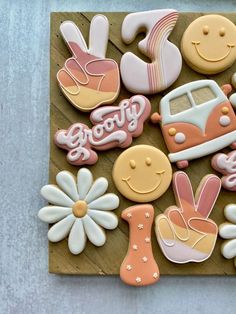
<point x="209" y="44"/>
<point x="184" y="232"/>
<point x="227" y="231"/>
<point x="196" y="119"/>
<point x="139" y="76"/>
<point x="142" y="173"/>
<point x="226" y="164"/>
<point x="88" y="79"/>
<point x="80" y="209"/>
<point x="139" y="267"/>
<point x="114" y="126"/>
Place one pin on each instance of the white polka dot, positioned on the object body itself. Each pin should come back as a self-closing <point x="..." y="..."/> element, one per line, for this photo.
<point x="140" y="226"/>
<point x="224" y="120"/>
<point x="138" y="279"/>
<point x="180" y="138"/>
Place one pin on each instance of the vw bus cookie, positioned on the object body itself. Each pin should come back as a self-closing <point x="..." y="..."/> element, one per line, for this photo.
<point x="196" y="119"/>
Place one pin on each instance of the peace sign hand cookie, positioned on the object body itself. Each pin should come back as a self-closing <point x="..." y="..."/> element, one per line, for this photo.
<point x="184" y="232"/>
<point x="88" y="79"/>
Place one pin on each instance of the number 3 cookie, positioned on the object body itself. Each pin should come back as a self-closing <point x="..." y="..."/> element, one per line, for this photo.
<point x="150" y="78"/>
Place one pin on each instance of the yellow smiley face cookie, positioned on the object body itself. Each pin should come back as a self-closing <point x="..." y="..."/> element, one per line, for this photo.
<point x="209" y="44"/>
<point x="142" y="173"/>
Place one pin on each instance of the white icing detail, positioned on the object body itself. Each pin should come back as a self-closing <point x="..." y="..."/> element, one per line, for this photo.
<point x="84" y="182"/>
<point x="145" y="259"/>
<point x="230" y="212"/>
<point x="94" y="233"/>
<point x="227" y="163"/>
<point x="224" y="120"/>
<point x="55" y="196"/>
<point x="98" y="36"/>
<point x="197" y="114"/>
<point x="180" y="138"/>
<point x="98" y="188"/>
<point x="108" y="201"/>
<point x="106" y="220"/>
<point x="129" y="267"/>
<point x="138" y="279"/>
<point x="135" y="247"/>
<point x="61" y="229"/>
<point x="205" y="148"/>
<point x="155" y="275"/>
<point x="129" y="215"/>
<point x="232" y="100"/>
<point x="66" y="181"/>
<point x="140" y="226"/>
<point x="52" y="214"/>
<point x="77" y="238"/>
<point x="147" y="240"/>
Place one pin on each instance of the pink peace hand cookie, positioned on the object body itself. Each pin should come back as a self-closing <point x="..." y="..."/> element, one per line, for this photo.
<point x="226" y="165"/>
<point x="88" y="79"/>
<point x="139" y="267"/>
<point x="184" y="232"/>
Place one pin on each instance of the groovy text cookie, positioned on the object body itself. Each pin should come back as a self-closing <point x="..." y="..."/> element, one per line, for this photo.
<point x="227" y="231"/>
<point x="139" y="76"/>
<point x="142" y="173"/>
<point x="196" y="119"/>
<point x="226" y="164"/>
<point x="209" y="44"/>
<point x="88" y="79"/>
<point x="80" y="209"/>
<point x="114" y="126"/>
<point x="184" y="232"/>
<point x="139" y="267"/>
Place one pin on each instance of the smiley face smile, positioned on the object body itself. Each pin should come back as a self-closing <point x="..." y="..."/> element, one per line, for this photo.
<point x="196" y="45"/>
<point x="160" y="175"/>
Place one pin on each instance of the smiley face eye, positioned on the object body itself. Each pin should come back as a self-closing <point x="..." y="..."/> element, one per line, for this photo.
<point x="132" y="164"/>
<point x="222" y="32"/>
<point x="148" y="161"/>
<point x="205" y="30"/>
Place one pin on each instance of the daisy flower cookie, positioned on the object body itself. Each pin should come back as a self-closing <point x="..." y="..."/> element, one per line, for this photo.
<point x="80" y="209"/>
<point x="227" y="231"/>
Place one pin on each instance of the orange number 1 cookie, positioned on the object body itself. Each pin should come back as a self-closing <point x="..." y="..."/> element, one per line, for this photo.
<point x="139" y="267"/>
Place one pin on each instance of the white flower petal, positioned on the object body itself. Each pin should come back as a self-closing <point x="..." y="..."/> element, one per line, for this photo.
<point x="67" y="183"/>
<point x="95" y="233"/>
<point x="227" y="231"/>
<point x="61" y="229"/>
<point x="105" y="219"/>
<point x="77" y="237"/>
<point x="51" y="214"/>
<point x="108" y="201"/>
<point x="98" y="188"/>
<point x="84" y="182"/>
<point x="230" y="212"/>
<point x="228" y="249"/>
<point x="55" y="196"/>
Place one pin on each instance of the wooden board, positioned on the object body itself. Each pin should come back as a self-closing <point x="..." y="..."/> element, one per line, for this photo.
<point x="107" y="259"/>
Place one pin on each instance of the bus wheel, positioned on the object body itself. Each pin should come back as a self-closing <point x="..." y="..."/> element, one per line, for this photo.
<point x="233" y="145"/>
<point x="182" y="164"/>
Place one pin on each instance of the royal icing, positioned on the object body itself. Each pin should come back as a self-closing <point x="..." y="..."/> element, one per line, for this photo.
<point x="88" y="79"/>
<point x="184" y="232"/>
<point x="208" y="44"/>
<point x="139" y="267"/>
<point x="196" y="119"/>
<point x="114" y="126"/>
<point x="142" y="173"/>
<point x="226" y="164"/>
<point x="80" y="209"/>
<point x="227" y="231"/>
<point x="166" y="61"/>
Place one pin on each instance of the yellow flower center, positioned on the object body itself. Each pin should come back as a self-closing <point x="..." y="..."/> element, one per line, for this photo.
<point x="80" y="209"/>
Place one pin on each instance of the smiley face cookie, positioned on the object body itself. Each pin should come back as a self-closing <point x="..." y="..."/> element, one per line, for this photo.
<point x="142" y="173"/>
<point x="209" y="44"/>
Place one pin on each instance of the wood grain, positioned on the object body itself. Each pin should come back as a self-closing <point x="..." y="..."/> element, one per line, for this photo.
<point x="107" y="259"/>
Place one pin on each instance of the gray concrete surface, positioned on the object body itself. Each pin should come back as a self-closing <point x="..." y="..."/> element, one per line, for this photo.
<point x="25" y="285"/>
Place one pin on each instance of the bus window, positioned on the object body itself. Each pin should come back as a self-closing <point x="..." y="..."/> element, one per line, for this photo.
<point x="179" y="104"/>
<point x="203" y="95"/>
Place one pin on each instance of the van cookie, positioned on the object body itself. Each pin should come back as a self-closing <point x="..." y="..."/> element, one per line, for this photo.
<point x="197" y="119"/>
<point x="139" y="267"/>
<point x="80" y="209"/>
<point x="227" y="231"/>
<point x="226" y="165"/>
<point x="209" y="44"/>
<point x="88" y="79"/>
<point x="114" y="126"/>
<point x="142" y="173"/>
<point x="139" y="76"/>
<point x="184" y="232"/>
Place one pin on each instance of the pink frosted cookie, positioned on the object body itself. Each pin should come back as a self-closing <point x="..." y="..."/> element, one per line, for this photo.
<point x="226" y="164"/>
<point x="139" y="267"/>
<point x="139" y="76"/>
<point x="88" y="79"/>
<point x="114" y="126"/>
<point x="184" y="232"/>
<point x="197" y="119"/>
